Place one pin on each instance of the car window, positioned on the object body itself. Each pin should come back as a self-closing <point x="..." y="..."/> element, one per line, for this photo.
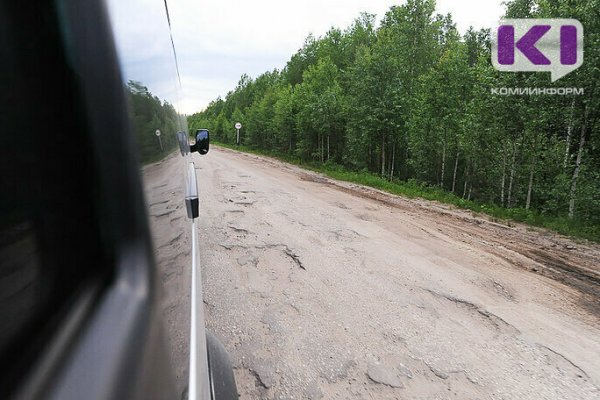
<point x="151" y="82"/>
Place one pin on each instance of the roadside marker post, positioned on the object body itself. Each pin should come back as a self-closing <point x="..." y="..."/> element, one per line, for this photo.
<point x="157" y="133"/>
<point x="238" y="126"/>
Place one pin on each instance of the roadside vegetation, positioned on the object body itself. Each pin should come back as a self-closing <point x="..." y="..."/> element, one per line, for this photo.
<point x="149" y="114"/>
<point x="415" y="189"/>
<point x="405" y="105"/>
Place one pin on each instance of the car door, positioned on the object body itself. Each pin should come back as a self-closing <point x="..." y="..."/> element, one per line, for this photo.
<point x="81" y="296"/>
<point x="149" y="71"/>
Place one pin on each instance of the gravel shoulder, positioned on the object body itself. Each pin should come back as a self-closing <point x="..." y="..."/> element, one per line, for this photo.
<point x="327" y="289"/>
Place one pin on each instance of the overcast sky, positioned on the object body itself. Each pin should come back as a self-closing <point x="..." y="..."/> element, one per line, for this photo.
<point x="219" y="40"/>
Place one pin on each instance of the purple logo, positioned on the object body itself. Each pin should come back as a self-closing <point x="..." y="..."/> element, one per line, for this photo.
<point x="554" y="45"/>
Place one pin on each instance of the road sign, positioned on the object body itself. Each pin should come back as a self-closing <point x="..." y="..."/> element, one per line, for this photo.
<point x="238" y="126"/>
<point x="157" y="133"/>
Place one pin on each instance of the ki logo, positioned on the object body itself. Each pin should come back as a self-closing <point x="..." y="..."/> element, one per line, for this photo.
<point x="552" y="45"/>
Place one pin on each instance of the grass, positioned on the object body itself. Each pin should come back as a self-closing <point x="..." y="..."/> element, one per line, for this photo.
<point x="415" y="189"/>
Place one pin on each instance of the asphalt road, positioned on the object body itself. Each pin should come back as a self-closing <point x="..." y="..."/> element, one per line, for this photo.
<point x="322" y="289"/>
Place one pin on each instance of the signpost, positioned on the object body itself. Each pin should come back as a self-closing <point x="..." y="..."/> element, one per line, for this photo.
<point x="157" y="133"/>
<point x="238" y="126"/>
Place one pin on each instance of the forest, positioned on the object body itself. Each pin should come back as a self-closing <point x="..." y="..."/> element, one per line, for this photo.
<point x="149" y="113"/>
<point x="411" y="100"/>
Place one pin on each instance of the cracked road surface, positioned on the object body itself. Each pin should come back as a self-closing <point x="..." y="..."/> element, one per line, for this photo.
<point x="324" y="289"/>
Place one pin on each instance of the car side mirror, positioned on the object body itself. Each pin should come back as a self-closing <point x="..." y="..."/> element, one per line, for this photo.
<point x="202" y="141"/>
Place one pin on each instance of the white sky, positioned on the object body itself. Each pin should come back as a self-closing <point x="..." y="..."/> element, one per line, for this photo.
<point x="219" y="40"/>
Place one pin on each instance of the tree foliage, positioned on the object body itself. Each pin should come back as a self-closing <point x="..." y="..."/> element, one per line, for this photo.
<point x="149" y="113"/>
<point x="411" y="99"/>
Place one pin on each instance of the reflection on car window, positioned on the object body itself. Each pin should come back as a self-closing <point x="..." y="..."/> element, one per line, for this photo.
<point x="149" y="69"/>
<point x="154" y="121"/>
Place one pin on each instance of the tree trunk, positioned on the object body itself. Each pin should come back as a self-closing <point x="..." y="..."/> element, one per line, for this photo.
<point x="370" y="154"/>
<point x="443" y="163"/>
<point x="455" y="169"/>
<point x="578" y="164"/>
<point x="569" y="134"/>
<point x="503" y="174"/>
<point x="531" y="173"/>
<point x="322" y="150"/>
<point x="382" y="155"/>
<point x="512" y="174"/>
<point x="466" y="179"/>
<point x="393" y="161"/>
<point x="328" y="147"/>
<point x="470" y="190"/>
